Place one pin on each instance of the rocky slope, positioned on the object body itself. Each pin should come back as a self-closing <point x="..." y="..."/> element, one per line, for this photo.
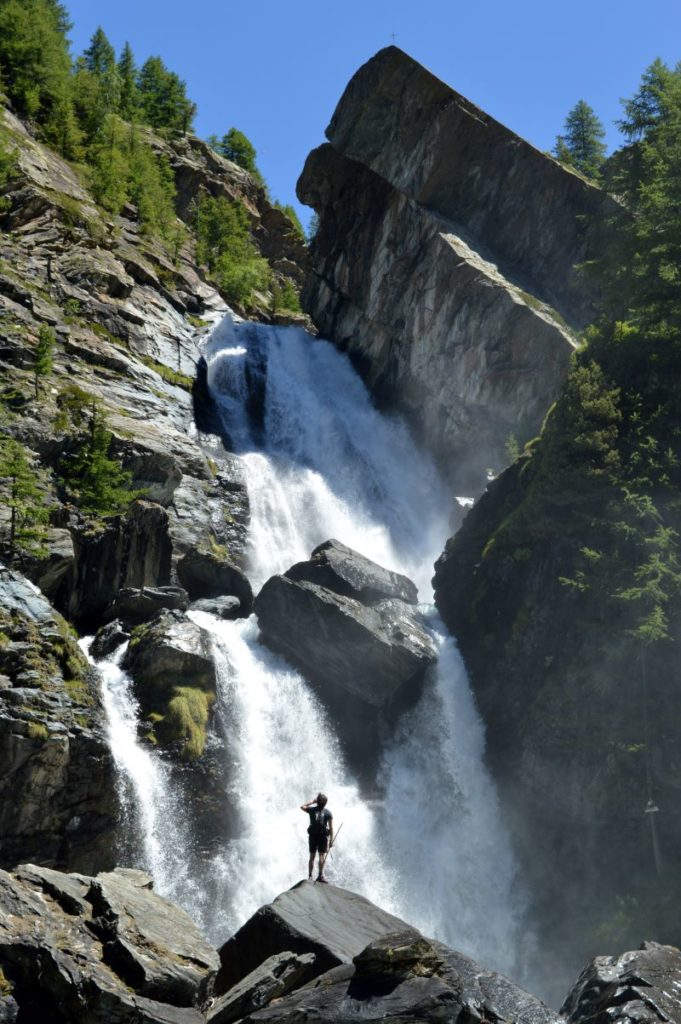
<point x="108" y="949"/>
<point x="128" y="316"/>
<point x="445" y="261"/>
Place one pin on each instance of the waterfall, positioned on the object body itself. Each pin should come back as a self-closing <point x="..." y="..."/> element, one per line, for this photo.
<point x="320" y="461"/>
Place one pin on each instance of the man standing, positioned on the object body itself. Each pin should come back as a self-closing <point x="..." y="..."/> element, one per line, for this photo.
<point x="320" y="832"/>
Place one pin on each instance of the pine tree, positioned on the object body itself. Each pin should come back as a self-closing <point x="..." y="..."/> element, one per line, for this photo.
<point x="24" y="498"/>
<point x="35" y="62"/>
<point x="100" y="60"/>
<point x="97" y="482"/>
<point x="582" y="144"/>
<point x="644" y="110"/>
<point x="127" y="73"/>
<point x="240" y="150"/>
<point x="164" y="101"/>
<point x="44" y="352"/>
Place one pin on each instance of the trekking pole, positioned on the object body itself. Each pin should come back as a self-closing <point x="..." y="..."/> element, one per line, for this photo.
<point x="335" y="837"/>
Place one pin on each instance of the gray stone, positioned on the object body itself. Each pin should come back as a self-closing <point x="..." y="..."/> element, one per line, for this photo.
<point x="107" y="639"/>
<point x="206" y="575"/>
<point x="222" y="607"/>
<point x="332" y="923"/>
<point x="138" y="605"/>
<point x="445" y="261"/>
<point x="640" y="986"/>
<point x="272" y="979"/>
<point x="338" y="568"/>
<point x="170" y="650"/>
<point x="371" y="652"/>
<point x="152" y="945"/>
<point x="97" y="957"/>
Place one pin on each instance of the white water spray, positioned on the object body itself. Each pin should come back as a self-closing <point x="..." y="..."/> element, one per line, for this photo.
<point x="321" y="462"/>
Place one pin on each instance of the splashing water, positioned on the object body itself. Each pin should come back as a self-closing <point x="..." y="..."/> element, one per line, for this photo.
<point x="321" y="462"/>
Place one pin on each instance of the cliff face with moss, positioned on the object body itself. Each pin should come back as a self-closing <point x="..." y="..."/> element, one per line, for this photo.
<point x="563" y="589"/>
<point x="123" y="311"/>
<point x="445" y="261"/>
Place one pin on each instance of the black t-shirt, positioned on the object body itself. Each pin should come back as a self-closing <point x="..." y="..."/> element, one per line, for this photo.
<point x="319" y="820"/>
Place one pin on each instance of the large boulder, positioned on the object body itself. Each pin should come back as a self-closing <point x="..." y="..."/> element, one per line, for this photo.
<point x="640" y="986"/>
<point x="332" y="923"/>
<point x="338" y="568"/>
<point x="82" y="950"/>
<point x="444" y="261"/>
<point x="402" y="976"/>
<point x="58" y="797"/>
<point x="173" y="672"/>
<point x="204" y="574"/>
<point x="352" y="629"/>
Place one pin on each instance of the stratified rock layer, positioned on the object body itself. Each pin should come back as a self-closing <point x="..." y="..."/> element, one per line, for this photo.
<point x="58" y="802"/>
<point x="445" y="260"/>
<point x="89" y="950"/>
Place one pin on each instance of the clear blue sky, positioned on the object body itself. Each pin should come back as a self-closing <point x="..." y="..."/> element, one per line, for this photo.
<point x="276" y="70"/>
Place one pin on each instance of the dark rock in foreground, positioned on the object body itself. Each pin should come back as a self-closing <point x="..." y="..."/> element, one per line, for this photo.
<point x="403" y="976"/>
<point x="332" y="923"/>
<point x="640" y="986"/>
<point x="346" y="624"/>
<point x="279" y="974"/>
<point x="89" y="950"/>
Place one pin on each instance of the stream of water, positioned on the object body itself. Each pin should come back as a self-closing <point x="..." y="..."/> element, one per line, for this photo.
<point x="321" y="462"/>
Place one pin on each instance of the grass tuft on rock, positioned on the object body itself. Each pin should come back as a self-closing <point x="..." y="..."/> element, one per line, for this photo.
<point x="187" y="719"/>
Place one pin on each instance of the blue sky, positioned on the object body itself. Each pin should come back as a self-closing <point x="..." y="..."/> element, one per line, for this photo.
<point x="276" y="70"/>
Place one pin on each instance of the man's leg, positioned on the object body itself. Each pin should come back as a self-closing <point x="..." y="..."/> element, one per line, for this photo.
<point x="324" y="849"/>
<point x="310" y="867"/>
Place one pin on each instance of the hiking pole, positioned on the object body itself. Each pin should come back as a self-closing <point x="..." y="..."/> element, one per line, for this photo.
<point x="335" y="837"/>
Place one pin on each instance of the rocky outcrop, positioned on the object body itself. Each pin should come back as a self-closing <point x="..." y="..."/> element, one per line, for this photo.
<point x="58" y="802"/>
<point x="353" y="629"/>
<point x="639" y="986"/>
<point x="369" y="966"/>
<point x="332" y="923"/>
<point x="207" y="575"/>
<point x="79" y="949"/>
<point x="272" y="979"/>
<point x="445" y="261"/>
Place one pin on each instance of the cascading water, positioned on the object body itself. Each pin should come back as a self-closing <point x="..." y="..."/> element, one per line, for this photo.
<point x="321" y="462"/>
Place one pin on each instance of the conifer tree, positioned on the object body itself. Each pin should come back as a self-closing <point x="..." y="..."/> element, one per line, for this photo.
<point x="582" y="144"/>
<point x="127" y="73"/>
<point x="96" y="481"/>
<point x="24" y="498"/>
<point x="100" y="60"/>
<point x="163" y="97"/>
<point x="235" y="146"/>
<point x="42" y="366"/>
<point x="35" y="63"/>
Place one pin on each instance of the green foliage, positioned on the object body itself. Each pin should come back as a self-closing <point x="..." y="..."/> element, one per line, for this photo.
<point x="186" y="720"/>
<point x="292" y="216"/>
<point x="163" y="99"/>
<point x="44" y="352"/>
<point x="94" y="480"/>
<point x="235" y="146"/>
<point x="582" y="144"/>
<point x="124" y="168"/>
<point x="24" y="494"/>
<point x="225" y="245"/>
<point x="285" y="296"/>
<point x="129" y="106"/>
<point x="38" y="731"/>
<point x="180" y="380"/>
<point x="8" y="167"/>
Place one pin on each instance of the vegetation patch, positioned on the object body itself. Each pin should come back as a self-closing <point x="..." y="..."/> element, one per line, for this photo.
<point x="180" y="380"/>
<point x="38" y="731"/>
<point x="186" y="720"/>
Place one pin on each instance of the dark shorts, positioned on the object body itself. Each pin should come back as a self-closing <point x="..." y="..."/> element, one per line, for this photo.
<point x="318" y="844"/>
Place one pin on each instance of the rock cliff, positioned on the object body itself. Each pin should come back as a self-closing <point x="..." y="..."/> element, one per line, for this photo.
<point x="444" y="262"/>
<point x="127" y="315"/>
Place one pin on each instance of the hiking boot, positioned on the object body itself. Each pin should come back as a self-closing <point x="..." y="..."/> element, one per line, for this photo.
<point x="321" y="879"/>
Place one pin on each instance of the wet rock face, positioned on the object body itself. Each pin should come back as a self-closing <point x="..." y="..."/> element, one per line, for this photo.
<point x="58" y="801"/>
<point x="639" y="986"/>
<point x="369" y="966"/>
<point x="332" y="923"/>
<point x="80" y="949"/>
<point x="444" y="261"/>
<point x="352" y="629"/>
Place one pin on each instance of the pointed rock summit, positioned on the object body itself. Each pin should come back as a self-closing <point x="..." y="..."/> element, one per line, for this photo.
<point x="445" y="261"/>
